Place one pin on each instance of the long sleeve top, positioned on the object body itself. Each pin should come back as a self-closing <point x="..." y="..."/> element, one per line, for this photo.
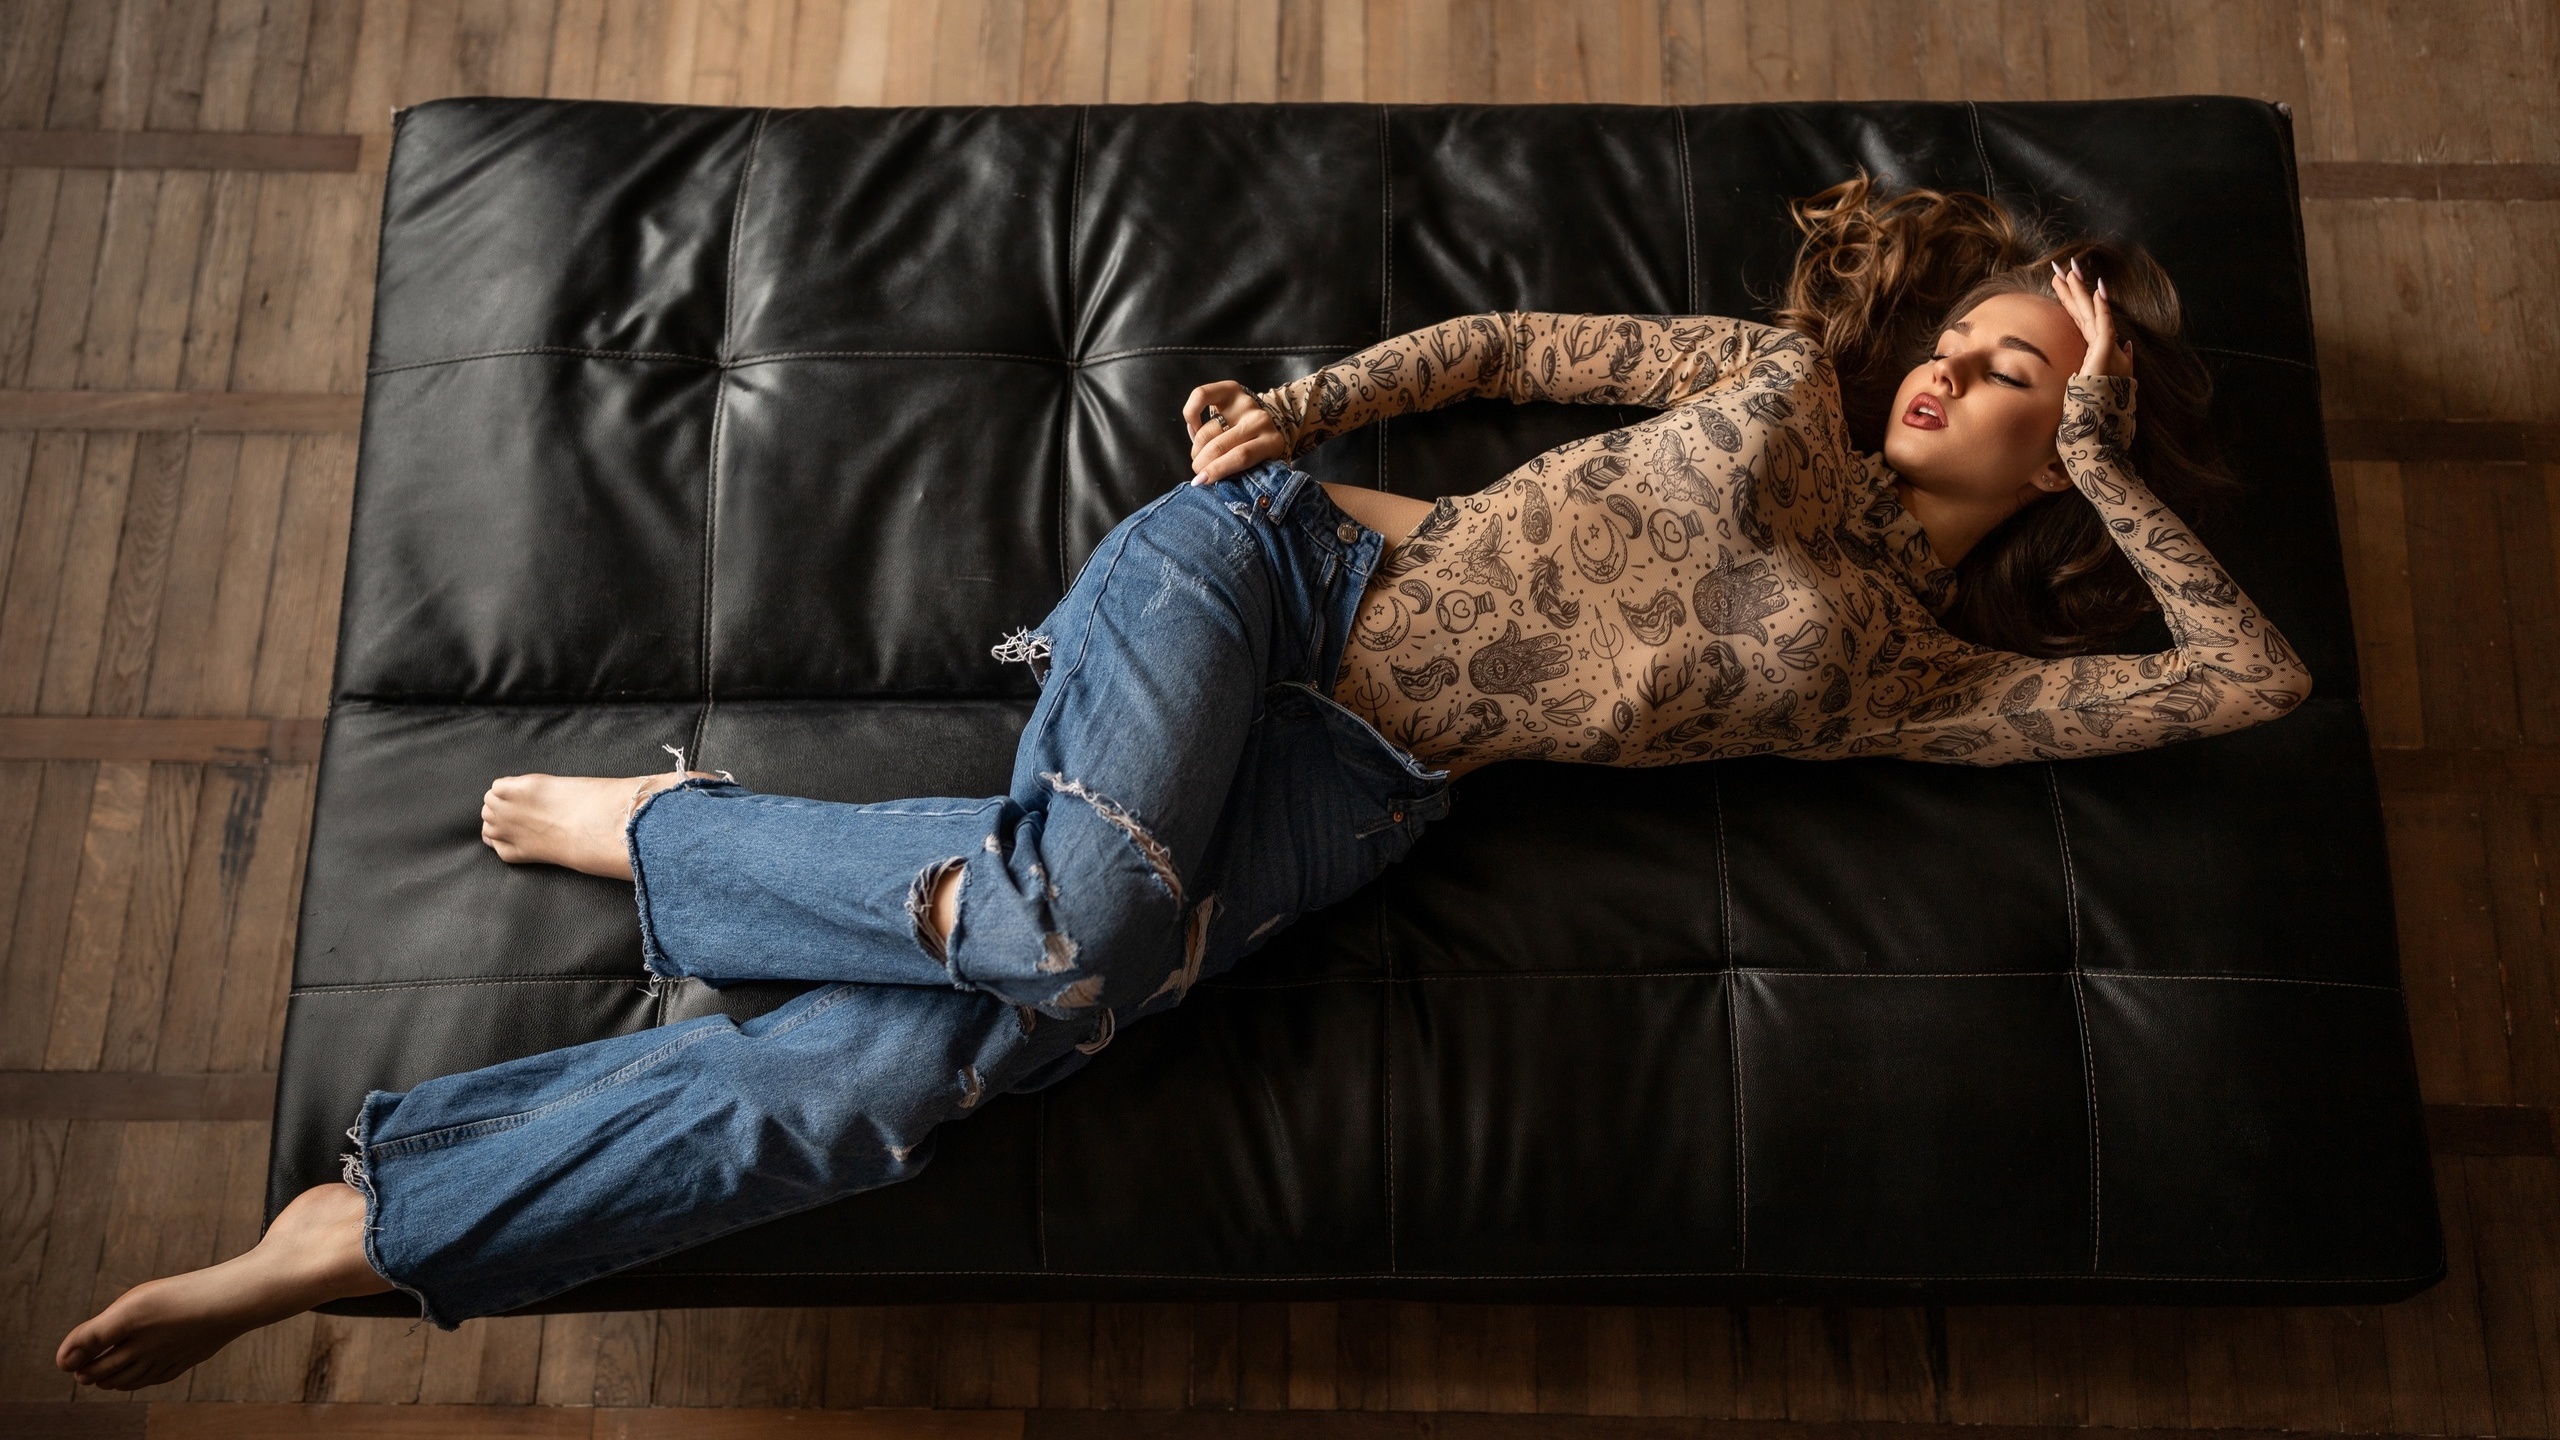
<point x="1730" y="577"/>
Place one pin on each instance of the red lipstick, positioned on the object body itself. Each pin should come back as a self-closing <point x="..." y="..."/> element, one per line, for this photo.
<point x="1927" y="412"/>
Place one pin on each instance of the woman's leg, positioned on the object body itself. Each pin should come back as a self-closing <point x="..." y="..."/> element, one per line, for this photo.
<point x="1074" y="903"/>
<point x="1074" y="893"/>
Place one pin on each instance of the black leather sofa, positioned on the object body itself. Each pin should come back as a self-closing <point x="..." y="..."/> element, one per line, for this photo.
<point x="750" y="431"/>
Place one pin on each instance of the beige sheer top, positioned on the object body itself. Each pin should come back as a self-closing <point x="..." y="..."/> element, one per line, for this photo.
<point x="1730" y="577"/>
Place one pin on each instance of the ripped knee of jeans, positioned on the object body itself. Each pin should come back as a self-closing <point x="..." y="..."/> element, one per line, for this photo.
<point x="929" y="933"/>
<point x="1159" y="858"/>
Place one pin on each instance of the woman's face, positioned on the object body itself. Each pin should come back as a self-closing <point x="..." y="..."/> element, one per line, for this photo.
<point x="1974" y="424"/>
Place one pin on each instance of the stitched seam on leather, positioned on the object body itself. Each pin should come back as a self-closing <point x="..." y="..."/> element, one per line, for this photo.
<point x="1328" y="347"/>
<point x="778" y="355"/>
<point x="2080" y="1009"/>
<point x="1386" y="261"/>
<point x="1733" y="1036"/>
<point x="1981" y="152"/>
<point x="1387" y="1136"/>
<point x="1072" y="319"/>
<point x="588" y="352"/>
<point x="1688" y="205"/>
<point x="719" y="427"/>
<point x="369" y="987"/>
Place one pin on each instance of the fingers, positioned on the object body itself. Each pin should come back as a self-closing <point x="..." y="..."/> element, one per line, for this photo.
<point x="1225" y="396"/>
<point x="2073" y="295"/>
<point x="1243" y="421"/>
<point x="1240" y="459"/>
<point x="1244" y="446"/>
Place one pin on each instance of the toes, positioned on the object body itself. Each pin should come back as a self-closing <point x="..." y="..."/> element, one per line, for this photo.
<point x="82" y="1347"/>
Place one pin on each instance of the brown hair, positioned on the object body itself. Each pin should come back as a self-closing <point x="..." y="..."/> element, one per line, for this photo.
<point x="1879" y="276"/>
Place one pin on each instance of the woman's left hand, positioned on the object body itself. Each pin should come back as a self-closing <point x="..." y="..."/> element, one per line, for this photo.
<point x="1230" y="431"/>
<point x="2090" y="310"/>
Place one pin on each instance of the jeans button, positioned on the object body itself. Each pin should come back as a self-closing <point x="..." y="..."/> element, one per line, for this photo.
<point x="1347" y="533"/>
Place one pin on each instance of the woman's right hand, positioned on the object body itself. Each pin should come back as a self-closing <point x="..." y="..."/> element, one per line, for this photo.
<point x="1242" y="435"/>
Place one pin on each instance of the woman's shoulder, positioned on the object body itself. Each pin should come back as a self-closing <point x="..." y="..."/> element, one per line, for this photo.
<point x="1753" y="357"/>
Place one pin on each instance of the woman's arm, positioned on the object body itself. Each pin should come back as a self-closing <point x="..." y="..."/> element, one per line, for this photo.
<point x="2230" y="669"/>
<point x="1651" y="360"/>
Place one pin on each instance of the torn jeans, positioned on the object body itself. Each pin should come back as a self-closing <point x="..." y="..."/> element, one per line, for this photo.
<point x="1185" y="787"/>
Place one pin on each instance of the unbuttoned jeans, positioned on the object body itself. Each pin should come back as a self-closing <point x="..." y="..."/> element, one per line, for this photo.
<point x="1184" y="788"/>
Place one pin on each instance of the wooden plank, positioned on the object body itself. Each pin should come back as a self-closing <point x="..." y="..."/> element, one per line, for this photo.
<point x="2494" y="442"/>
<point x="257" y="968"/>
<point x="2389" y="180"/>
<point x="2466" y="666"/>
<point x="30" y="1172"/>
<point x="249" y="411"/>
<point x="2519" y="881"/>
<point x="43" y="910"/>
<point x="151" y="919"/>
<point x="175" y="150"/>
<point x="2503" y="1130"/>
<point x="128" y="1095"/>
<point x="245" y="741"/>
<point x="141" y="569"/>
<point x="110" y="853"/>
<point x="2374" y="533"/>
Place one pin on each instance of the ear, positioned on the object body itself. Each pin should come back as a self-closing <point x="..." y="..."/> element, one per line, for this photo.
<point x="2053" y="478"/>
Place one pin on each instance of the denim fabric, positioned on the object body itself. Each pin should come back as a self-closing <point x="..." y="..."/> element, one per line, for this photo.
<point x="1184" y="789"/>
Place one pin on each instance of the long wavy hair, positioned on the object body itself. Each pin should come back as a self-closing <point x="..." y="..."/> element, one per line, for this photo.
<point x="1880" y="276"/>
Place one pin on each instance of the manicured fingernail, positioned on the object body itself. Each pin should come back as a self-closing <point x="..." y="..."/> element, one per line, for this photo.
<point x="1199" y="479"/>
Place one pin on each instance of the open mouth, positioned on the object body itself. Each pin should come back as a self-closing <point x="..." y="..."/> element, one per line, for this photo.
<point x="1925" y="413"/>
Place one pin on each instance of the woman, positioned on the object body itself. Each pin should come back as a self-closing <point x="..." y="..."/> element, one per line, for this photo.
<point x="1255" y="701"/>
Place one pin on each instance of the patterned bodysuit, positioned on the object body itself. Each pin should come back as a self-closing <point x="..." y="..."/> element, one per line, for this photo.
<point x="1730" y="577"/>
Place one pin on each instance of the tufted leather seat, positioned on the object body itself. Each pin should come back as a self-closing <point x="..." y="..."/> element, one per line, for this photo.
<point x="750" y="431"/>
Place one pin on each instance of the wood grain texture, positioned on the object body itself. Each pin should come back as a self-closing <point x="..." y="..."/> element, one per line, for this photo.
<point x="155" y="410"/>
<point x="176" y="150"/>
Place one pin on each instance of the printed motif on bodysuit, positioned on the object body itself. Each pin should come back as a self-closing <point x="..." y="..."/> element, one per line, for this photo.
<point x="1730" y="577"/>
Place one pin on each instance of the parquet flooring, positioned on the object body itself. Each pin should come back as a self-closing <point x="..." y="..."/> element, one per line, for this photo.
<point x="188" y="190"/>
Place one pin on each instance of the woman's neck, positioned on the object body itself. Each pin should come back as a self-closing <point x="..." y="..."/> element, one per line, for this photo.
<point x="1953" y="527"/>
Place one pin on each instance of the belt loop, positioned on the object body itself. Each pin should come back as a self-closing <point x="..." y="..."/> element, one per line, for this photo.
<point x="1291" y="488"/>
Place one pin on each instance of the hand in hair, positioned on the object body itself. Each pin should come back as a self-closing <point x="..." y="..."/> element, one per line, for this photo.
<point x="1241" y="436"/>
<point x="2089" y="309"/>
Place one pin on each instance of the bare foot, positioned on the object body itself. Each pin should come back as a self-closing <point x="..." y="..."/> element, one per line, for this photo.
<point x="571" y="820"/>
<point x="159" y="1329"/>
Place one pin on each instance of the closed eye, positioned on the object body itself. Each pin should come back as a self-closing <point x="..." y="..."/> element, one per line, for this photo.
<point x="2003" y="377"/>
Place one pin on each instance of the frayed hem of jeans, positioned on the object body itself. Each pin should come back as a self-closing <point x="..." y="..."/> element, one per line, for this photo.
<point x="653" y="956"/>
<point x="355" y="1170"/>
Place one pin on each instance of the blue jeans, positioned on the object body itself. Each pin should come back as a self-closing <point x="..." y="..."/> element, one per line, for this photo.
<point x="1184" y="788"/>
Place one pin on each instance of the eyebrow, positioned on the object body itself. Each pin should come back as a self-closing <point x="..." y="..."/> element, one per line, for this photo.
<point x="2007" y="342"/>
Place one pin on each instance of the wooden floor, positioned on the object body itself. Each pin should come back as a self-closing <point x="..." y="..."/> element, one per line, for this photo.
<point x="188" y="191"/>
